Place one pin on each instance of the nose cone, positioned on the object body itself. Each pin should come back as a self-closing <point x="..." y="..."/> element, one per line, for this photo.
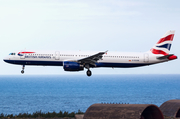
<point x="6" y="59"/>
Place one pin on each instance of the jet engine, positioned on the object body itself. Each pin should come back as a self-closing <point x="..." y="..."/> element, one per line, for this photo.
<point x="72" y="66"/>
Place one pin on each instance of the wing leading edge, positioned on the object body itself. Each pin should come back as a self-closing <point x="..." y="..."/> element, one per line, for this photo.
<point x="91" y="60"/>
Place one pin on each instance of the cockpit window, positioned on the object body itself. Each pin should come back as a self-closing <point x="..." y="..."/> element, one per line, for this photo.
<point x="12" y="54"/>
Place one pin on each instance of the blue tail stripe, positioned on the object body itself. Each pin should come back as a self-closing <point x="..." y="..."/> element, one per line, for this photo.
<point x="167" y="46"/>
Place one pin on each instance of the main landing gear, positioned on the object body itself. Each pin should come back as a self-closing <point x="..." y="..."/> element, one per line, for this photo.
<point x="89" y="73"/>
<point x="22" y="71"/>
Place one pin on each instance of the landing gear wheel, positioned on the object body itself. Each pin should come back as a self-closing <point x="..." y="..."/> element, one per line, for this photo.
<point x="89" y="73"/>
<point x="22" y="71"/>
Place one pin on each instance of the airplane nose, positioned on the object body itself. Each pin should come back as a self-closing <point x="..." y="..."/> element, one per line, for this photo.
<point x="6" y="59"/>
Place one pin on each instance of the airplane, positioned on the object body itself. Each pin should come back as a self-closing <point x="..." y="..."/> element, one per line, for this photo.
<point x="78" y="61"/>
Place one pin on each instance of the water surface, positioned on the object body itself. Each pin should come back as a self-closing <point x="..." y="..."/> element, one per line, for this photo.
<point x="19" y="94"/>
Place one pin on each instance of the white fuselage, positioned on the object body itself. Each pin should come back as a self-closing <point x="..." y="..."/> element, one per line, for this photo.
<point x="110" y="59"/>
<point x="77" y="61"/>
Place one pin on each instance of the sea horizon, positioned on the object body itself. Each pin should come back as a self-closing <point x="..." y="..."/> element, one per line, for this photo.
<point x="48" y="93"/>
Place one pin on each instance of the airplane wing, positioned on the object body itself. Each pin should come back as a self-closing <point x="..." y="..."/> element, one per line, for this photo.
<point x="92" y="59"/>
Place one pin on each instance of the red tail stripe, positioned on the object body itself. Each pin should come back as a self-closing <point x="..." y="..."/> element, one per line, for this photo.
<point x="154" y="51"/>
<point x="167" y="38"/>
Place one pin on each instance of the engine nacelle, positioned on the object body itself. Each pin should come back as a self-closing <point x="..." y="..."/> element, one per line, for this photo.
<point x="72" y="66"/>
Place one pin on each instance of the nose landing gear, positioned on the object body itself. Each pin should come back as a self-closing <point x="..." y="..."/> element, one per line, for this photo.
<point x="22" y="71"/>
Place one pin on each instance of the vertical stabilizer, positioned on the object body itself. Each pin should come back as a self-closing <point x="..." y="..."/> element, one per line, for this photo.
<point x="163" y="46"/>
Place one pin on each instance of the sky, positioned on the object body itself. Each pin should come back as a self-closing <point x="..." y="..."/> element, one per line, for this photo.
<point x="87" y="25"/>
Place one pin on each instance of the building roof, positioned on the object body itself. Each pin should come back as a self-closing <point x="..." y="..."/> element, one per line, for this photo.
<point x="171" y="108"/>
<point x="123" y="111"/>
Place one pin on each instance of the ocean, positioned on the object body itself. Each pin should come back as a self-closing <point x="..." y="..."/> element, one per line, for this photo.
<point x="23" y="93"/>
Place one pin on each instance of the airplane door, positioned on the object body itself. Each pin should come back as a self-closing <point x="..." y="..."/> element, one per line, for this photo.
<point x="57" y="55"/>
<point x="22" y="56"/>
<point x="146" y="57"/>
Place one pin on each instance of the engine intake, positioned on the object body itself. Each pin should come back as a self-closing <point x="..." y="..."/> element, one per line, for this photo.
<point x="72" y="66"/>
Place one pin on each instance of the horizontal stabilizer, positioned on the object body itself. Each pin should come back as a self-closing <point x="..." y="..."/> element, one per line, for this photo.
<point x="165" y="57"/>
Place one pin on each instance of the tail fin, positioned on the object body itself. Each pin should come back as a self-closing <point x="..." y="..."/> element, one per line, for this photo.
<point x="163" y="46"/>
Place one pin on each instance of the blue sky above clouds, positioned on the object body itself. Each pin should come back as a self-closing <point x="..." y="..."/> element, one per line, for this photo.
<point x="97" y="25"/>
